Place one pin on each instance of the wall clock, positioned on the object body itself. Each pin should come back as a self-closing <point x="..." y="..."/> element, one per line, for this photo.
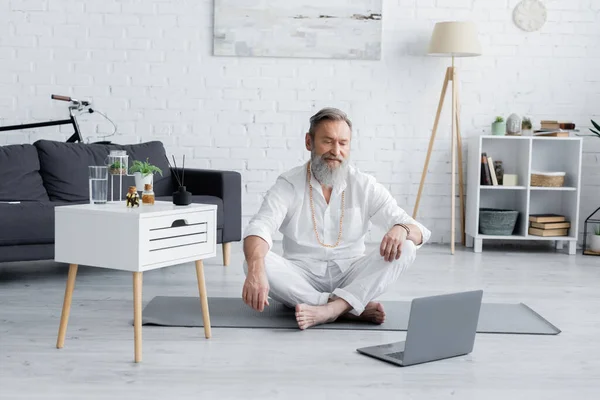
<point x="530" y="15"/>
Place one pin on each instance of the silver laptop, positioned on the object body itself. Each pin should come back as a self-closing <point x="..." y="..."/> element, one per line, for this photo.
<point x="439" y="327"/>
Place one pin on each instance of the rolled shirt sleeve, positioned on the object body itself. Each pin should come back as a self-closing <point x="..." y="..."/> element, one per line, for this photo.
<point x="385" y="212"/>
<point x="272" y="212"/>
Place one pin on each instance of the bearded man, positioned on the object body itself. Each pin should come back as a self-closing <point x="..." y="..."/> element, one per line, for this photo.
<point x="323" y="208"/>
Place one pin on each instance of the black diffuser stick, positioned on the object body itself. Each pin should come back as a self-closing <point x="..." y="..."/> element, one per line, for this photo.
<point x="174" y="171"/>
<point x="175" y="162"/>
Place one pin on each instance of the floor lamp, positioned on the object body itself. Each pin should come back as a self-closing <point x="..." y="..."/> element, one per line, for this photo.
<point x="451" y="39"/>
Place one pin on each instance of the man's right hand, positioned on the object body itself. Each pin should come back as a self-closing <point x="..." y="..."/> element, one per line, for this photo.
<point x="256" y="290"/>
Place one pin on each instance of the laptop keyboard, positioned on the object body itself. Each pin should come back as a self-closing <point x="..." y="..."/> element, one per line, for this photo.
<point x="397" y="356"/>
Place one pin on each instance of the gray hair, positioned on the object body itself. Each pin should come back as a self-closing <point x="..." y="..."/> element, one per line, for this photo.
<point x="327" y="114"/>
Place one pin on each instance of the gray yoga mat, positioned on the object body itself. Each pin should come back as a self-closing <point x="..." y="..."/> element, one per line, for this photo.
<point x="228" y="312"/>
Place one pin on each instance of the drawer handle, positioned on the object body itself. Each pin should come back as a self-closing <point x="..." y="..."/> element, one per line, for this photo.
<point x="179" y="222"/>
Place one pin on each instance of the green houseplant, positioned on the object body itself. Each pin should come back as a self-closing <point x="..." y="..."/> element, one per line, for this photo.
<point x="143" y="172"/>
<point x="597" y="131"/>
<point x="499" y="126"/>
<point x="595" y="239"/>
<point x="526" y="127"/>
<point x="117" y="168"/>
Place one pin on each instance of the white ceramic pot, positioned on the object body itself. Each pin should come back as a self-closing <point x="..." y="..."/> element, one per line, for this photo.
<point x="595" y="243"/>
<point x="140" y="180"/>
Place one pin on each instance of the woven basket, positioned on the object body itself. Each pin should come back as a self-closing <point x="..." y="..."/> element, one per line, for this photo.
<point x="493" y="221"/>
<point x="550" y="179"/>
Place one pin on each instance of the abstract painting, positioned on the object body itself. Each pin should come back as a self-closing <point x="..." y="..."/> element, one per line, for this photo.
<point x="347" y="29"/>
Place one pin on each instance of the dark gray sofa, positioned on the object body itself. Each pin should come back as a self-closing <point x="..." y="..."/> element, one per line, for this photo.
<point x="34" y="178"/>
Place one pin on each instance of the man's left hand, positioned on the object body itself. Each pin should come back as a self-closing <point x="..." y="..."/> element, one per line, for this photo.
<point x="391" y="245"/>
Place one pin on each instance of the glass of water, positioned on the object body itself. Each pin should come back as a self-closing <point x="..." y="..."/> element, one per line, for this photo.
<point x="98" y="184"/>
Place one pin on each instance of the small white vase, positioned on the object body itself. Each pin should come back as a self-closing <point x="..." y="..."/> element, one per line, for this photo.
<point x="141" y="181"/>
<point x="595" y="243"/>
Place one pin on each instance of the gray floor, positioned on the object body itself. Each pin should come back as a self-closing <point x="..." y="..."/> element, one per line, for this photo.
<point x="178" y="363"/>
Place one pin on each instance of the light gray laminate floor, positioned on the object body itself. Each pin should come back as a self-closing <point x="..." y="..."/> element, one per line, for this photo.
<point x="178" y="363"/>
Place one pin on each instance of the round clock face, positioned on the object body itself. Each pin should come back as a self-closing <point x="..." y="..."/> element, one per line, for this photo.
<point x="530" y="15"/>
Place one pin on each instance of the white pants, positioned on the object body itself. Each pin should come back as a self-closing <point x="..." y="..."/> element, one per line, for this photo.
<point x="367" y="278"/>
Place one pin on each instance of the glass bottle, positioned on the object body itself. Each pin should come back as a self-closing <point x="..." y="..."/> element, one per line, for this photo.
<point x="133" y="199"/>
<point x="499" y="169"/>
<point x="148" y="194"/>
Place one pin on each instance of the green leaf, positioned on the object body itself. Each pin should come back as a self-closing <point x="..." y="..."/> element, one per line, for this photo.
<point x="595" y="125"/>
<point x="595" y="132"/>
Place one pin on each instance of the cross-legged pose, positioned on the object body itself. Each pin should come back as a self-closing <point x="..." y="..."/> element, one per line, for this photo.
<point x="323" y="209"/>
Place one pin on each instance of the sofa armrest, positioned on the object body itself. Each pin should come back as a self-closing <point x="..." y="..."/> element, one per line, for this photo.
<point x="227" y="185"/>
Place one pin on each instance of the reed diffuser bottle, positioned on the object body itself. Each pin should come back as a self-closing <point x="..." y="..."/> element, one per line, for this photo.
<point x="181" y="197"/>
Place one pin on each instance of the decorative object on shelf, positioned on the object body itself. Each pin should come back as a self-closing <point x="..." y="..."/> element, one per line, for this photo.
<point x="513" y="125"/>
<point x="510" y="180"/>
<point x="526" y="127"/>
<point x="181" y="197"/>
<point x="494" y="221"/>
<point x="594" y="249"/>
<point x="547" y="179"/>
<point x="144" y="172"/>
<point x="499" y="126"/>
<point x="133" y="198"/>
<point x="499" y="170"/>
<point x="548" y="225"/>
<point x="306" y="28"/>
<point x="148" y="195"/>
<point x="451" y="39"/>
<point x="530" y="15"/>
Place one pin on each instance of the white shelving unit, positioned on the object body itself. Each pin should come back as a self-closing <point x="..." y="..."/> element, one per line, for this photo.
<point x="520" y="155"/>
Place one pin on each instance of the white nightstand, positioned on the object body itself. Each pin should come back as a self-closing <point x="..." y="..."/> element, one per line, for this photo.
<point x="134" y="239"/>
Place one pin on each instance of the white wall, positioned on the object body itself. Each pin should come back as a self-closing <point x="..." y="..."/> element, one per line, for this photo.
<point x="148" y="65"/>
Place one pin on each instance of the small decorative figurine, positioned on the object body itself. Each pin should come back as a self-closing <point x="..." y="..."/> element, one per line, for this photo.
<point x="513" y="125"/>
<point x="133" y="198"/>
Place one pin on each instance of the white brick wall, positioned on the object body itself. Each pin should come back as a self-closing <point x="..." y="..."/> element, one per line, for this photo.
<point x="148" y="65"/>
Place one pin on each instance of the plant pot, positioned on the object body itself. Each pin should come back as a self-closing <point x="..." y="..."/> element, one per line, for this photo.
<point x="118" y="171"/>
<point x="141" y="181"/>
<point x="595" y="243"/>
<point x="499" y="128"/>
<point x="527" y="132"/>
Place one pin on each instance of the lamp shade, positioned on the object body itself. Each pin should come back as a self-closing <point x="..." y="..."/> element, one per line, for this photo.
<point x="456" y="39"/>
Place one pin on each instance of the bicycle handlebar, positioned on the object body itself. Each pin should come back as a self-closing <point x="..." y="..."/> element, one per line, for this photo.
<point x="59" y="97"/>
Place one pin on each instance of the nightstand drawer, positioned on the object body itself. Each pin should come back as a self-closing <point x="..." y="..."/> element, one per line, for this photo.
<point x="176" y="237"/>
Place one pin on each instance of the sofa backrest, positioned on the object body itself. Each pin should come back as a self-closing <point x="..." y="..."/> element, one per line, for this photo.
<point x="64" y="167"/>
<point x="20" y="177"/>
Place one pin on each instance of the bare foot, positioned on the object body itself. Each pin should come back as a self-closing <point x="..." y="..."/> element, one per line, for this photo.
<point x="373" y="313"/>
<point x="308" y="316"/>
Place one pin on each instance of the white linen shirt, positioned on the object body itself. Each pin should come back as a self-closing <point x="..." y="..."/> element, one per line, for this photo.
<point x="286" y="207"/>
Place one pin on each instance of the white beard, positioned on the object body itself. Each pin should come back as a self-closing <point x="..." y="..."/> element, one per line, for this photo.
<point x="326" y="175"/>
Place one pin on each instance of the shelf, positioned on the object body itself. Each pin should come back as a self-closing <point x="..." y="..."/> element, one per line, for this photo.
<point x="501" y="187"/>
<point x="522" y="237"/>
<point x="554" y="189"/>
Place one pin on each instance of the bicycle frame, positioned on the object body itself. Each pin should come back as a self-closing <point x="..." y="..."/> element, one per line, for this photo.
<point x="76" y="105"/>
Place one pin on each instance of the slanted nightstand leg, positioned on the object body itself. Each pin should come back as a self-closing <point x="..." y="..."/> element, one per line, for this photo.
<point x="203" y="298"/>
<point x="137" y="315"/>
<point x="66" y="310"/>
<point x="226" y="253"/>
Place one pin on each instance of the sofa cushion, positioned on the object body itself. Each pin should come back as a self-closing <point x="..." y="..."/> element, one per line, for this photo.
<point x="64" y="167"/>
<point x="20" y="177"/>
<point x="29" y="222"/>
<point x="203" y="200"/>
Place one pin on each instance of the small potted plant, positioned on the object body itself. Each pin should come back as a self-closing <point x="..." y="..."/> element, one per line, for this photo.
<point x="526" y="127"/>
<point x="143" y="172"/>
<point x="499" y="126"/>
<point x="595" y="240"/>
<point x="117" y="168"/>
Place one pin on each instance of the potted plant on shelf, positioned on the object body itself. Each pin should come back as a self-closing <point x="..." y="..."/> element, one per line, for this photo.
<point x="499" y="126"/>
<point x="526" y="127"/>
<point x="143" y="172"/>
<point x="117" y="168"/>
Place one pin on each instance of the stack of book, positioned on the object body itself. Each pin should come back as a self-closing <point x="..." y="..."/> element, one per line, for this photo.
<point x="555" y="128"/>
<point x="488" y="172"/>
<point x="548" y="225"/>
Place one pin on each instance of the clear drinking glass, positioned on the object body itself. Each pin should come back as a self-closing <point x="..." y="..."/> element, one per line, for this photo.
<point x="98" y="184"/>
